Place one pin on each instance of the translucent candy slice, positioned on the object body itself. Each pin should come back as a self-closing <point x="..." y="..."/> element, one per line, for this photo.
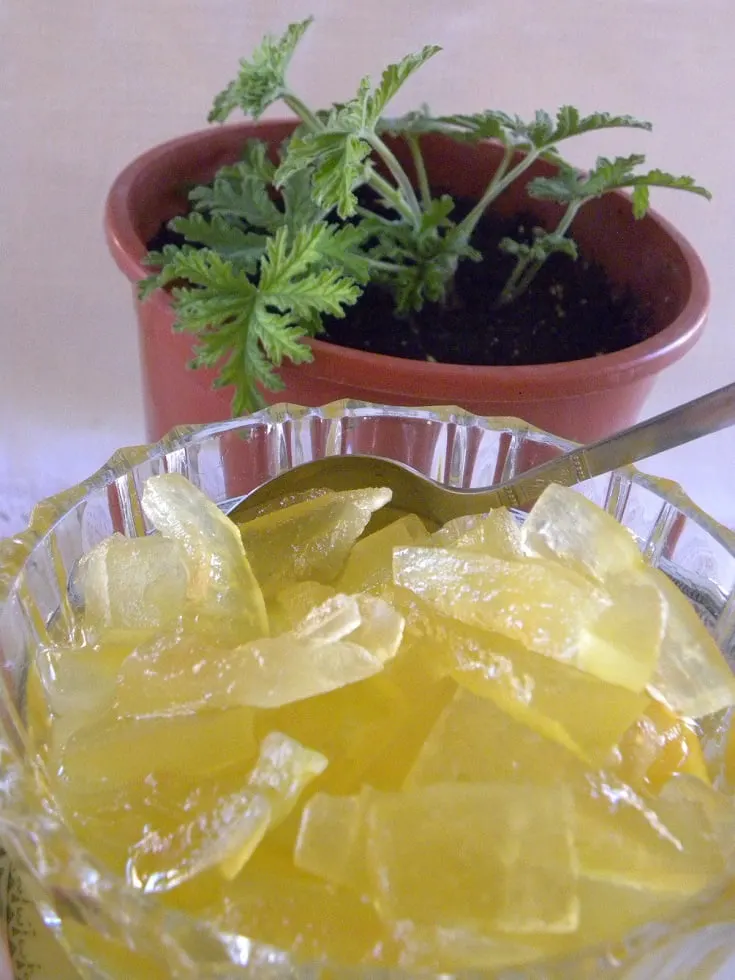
<point x="337" y="617"/>
<point x="111" y="752"/>
<point x="500" y="855"/>
<point x="575" y="709"/>
<point x="312" y="539"/>
<point x="623" y="644"/>
<point x="225" y="835"/>
<point x="313" y="920"/>
<point x="692" y="677"/>
<point x="80" y="681"/>
<point x="332" y="839"/>
<point x="497" y="533"/>
<point x="549" y="609"/>
<point x="715" y="810"/>
<point x="369" y="565"/>
<point x="222" y="582"/>
<point x="134" y="583"/>
<point x="286" y="668"/>
<point x="665" y="845"/>
<point x="439" y="948"/>
<point x="656" y="747"/>
<point x="474" y="741"/>
<point x="336" y="644"/>
<point x="564" y="525"/>
<point x="607" y="913"/>
<point x="372" y="731"/>
<point x="283" y="770"/>
<point x="295" y="602"/>
<point x="381" y="627"/>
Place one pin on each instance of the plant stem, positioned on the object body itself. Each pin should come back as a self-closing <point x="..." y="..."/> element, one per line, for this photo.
<point x="405" y="187"/>
<point x="501" y="180"/>
<point x="527" y="268"/>
<point x="421" y="176"/>
<point x="392" y="195"/>
<point x="406" y="205"/>
<point x="385" y="266"/>
<point x="303" y="112"/>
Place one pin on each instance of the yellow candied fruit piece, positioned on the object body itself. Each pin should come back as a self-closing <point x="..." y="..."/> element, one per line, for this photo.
<point x="222" y="583"/>
<point x="283" y="771"/>
<point x="343" y="641"/>
<point x="672" y="845"/>
<point x="564" y="525"/>
<point x="475" y="741"/>
<point x="80" y="681"/>
<point x="311" y="539"/>
<point x="569" y="706"/>
<point x="134" y="583"/>
<point x="332" y="838"/>
<point x="497" y="533"/>
<point x="225" y="835"/>
<point x="456" y="854"/>
<point x="177" y="828"/>
<point x="112" y="751"/>
<point x="293" y="603"/>
<point x="607" y="913"/>
<point x="314" y="920"/>
<point x="368" y="566"/>
<point x="692" y="678"/>
<point x="549" y="609"/>
<point x="658" y="746"/>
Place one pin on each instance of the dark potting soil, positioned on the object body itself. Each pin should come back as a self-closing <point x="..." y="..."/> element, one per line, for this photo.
<point x="570" y="311"/>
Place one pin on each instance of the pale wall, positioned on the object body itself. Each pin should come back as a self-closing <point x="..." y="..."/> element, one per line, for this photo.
<point x="87" y="84"/>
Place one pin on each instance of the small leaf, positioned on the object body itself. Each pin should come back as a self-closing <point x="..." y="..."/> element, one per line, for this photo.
<point x="394" y="77"/>
<point x="490" y="124"/>
<point x="299" y="207"/>
<point x="609" y="175"/>
<point x="342" y="247"/>
<point x="542" y="132"/>
<point x="437" y="213"/>
<point x="239" y="192"/>
<point x="569" y="122"/>
<point x="281" y="337"/>
<point x="244" y="248"/>
<point x="261" y="80"/>
<point x="414" y="123"/>
<point x="256" y="162"/>
<point x="564" y="187"/>
<point x="339" y="163"/>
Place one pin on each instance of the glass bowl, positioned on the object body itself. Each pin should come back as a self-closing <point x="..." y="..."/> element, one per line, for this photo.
<point x="111" y="931"/>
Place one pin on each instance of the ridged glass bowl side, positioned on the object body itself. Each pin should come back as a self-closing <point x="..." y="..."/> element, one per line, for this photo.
<point x="111" y="931"/>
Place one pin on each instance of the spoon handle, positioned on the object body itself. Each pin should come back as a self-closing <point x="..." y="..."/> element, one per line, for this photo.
<point x="680" y="425"/>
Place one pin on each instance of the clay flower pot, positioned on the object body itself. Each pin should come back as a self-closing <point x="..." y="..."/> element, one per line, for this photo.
<point x="581" y="400"/>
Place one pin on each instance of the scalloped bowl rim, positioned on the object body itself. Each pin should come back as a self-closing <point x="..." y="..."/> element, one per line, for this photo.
<point x="15" y="549"/>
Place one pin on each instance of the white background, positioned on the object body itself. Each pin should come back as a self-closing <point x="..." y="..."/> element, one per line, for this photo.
<point x="85" y="85"/>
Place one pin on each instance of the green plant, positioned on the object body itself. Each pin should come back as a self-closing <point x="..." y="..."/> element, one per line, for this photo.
<point x="274" y="246"/>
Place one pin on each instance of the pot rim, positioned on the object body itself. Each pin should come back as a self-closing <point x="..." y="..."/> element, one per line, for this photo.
<point x="394" y="375"/>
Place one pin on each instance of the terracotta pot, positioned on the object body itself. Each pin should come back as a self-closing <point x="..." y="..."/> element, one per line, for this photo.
<point x="581" y="400"/>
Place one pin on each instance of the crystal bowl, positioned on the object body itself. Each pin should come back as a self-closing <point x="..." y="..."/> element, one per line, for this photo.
<point x="111" y="931"/>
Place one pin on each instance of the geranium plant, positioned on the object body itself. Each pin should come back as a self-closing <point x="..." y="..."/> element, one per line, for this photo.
<point x="272" y="247"/>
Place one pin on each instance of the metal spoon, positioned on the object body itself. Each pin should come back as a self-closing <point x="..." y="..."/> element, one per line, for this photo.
<point x="414" y="492"/>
